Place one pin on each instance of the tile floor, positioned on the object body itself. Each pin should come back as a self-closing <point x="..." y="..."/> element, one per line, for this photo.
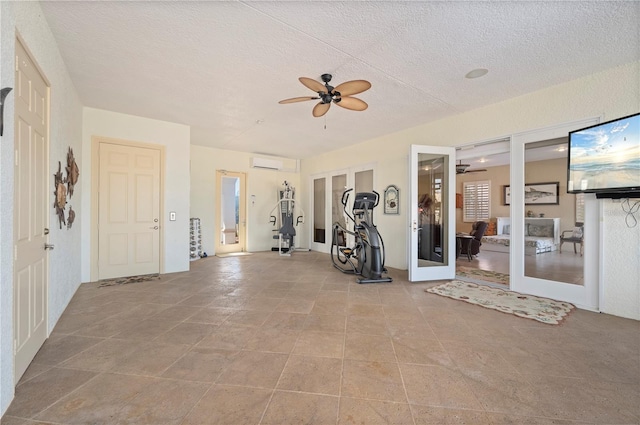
<point x="264" y="339"/>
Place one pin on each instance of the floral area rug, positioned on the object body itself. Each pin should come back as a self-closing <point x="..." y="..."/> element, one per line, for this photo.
<point x="477" y="274"/>
<point x="529" y="306"/>
<point x="129" y="279"/>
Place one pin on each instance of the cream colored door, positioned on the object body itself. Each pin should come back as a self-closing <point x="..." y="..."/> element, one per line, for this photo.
<point x="231" y="212"/>
<point x="31" y="271"/>
<point x="128" y="211"/>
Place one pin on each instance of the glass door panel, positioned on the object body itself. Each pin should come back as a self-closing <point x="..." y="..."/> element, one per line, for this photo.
<point x="432" y="253"/>
<point x="338" y="186"/>
<point x="319" y="211"/>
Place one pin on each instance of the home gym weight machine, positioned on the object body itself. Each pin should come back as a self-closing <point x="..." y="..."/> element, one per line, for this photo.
<point x="283" y="220"/>
<point x="366" y="257"/>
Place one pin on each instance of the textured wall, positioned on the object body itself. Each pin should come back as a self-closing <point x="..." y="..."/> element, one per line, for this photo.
<point x="261" y="194"/>
<point x="176" y="139"/>
<point x="620" y="266"/>
<point x="25" y="19"/>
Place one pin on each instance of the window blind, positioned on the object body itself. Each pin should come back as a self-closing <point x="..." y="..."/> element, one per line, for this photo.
<point x="477" y="200"/>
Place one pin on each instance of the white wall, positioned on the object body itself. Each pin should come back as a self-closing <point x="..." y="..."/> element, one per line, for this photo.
<point x="262" y="187"/>
<point x="620" y="246"/>
<point x="609" y="94"/>
<point x="176" y="140"/>
<point x="26" y="19"/>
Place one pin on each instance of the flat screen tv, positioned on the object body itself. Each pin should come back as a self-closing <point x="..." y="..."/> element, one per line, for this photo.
<point x="605" y="158"/>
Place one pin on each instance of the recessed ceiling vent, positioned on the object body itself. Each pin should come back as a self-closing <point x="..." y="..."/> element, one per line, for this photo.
<point x="266" y="163"/>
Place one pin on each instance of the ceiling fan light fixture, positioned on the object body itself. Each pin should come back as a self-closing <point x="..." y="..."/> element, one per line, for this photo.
<point x="476" y="73"/>
<point x="327" y="94"/>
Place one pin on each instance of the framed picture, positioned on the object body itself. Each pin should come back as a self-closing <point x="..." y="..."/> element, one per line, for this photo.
<point x="392" y="200"/>
<point x="537" y="194"/>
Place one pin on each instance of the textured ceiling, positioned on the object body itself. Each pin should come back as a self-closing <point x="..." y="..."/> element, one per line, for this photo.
<point x="221" y="67"/>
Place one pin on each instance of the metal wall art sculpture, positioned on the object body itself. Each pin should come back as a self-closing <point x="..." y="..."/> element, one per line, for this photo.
<point x="64" y="186"/>
<point x="3" y="93"/>
<point x="72" y="172"/>
<point x="60" y="193"/>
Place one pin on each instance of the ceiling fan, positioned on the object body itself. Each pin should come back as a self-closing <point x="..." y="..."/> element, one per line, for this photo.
<point x="463" y="168"/>
<point x="340" y="95"/>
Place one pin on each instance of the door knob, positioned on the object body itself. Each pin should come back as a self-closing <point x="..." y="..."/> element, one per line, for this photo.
<point x="48" y="246"/>
<point x="46" y="231"/>
<point x="154" y="227"/>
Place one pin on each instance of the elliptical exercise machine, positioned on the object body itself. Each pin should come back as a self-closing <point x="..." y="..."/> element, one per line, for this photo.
<point x="366" y="257"/>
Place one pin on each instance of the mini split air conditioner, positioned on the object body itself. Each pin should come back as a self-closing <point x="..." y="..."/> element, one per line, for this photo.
<point x="269" y="164"/>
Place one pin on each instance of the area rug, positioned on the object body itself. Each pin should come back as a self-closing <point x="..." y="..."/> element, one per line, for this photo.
<point x="127" y="280"/>
<point x="485" y="275"/>
<point x="528" y="306"/>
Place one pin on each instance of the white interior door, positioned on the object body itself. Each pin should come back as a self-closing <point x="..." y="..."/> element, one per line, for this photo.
<point x="129" y="211"/>
<point x="585" y="295"/>
<point x="231" y="212"/>
<point x="31" y="271"/>
<point x="432" y="213"/>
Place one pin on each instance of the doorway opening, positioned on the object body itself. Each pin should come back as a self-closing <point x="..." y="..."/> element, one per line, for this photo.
<point x="231" y="212"/>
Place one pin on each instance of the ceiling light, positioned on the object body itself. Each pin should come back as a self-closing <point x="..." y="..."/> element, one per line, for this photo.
<point x="482" y="160"/>
<point x="476" y="73"/>
<point x="561" y="149"/>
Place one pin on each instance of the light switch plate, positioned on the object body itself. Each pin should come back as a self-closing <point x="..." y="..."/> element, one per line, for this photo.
<point x="172" y="216"/>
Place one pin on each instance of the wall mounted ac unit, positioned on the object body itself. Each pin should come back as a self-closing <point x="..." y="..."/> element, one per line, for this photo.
<point x="270" y="164"/>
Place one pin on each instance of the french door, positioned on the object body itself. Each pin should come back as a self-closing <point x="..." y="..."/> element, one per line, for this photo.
<point x="231" y="207"/>
<point x="432" y="213"/>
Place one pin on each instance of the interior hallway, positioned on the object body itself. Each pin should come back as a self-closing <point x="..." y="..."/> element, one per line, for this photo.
<point x="263" y="339"/>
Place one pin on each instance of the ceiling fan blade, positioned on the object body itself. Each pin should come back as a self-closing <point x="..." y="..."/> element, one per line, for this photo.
<point x="353" y="87"/>
<point x="477" y="170"/>
<point x="297" y="99"/>
<point x="352" y="103"/>
<point x="313" y="84"/>
<point x="320" y="109"/>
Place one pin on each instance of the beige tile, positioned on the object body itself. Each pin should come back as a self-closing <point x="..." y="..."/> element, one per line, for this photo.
<point x="262" y="304"/>
<point x="421" y="351"/>
<point x="438" y="386"/>
<point x="45" y="389"/>
<point x="300" y="408"/>
<point x="139" y="362"/>
<point x="57" y="349"/>
<point x="229" y="405"/>
<point x="248" y="318"/>
<point x="186" y="333"/>
<point x="366" y="310"/>
<point x="228" y="337"/>
<point x="104" y="356"/>
<point x="369" y="347"/>
<point x="177" y="313"/>
<point x="255" y="369"/>
<point x="162" y="402"/>
<point x="146" y="330"/>
<point x="201" y="364"/>
<point x="319" y="375"/>
<point x="324" y="323"/>
<point x="322" y="344"/>
<point x="431" y="415"/>
<point x="98" y="401"/>
<point x="357" y="411"/>
<point x="367" y="325"/>
<point x="32" y="371"/>
<point x="329" y="307"/>
<point x="295" y="305"/>
<point x="273" y="340"/>
<point x="372" y="380"/>
<point x="502" y="419"/>
<point x="211" y="315"/>
<point x="285" y="321"/>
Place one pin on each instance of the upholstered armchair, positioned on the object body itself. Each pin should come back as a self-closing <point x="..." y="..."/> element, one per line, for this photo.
<point x="575" y="236"/>
<point x="477" y="232"/>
